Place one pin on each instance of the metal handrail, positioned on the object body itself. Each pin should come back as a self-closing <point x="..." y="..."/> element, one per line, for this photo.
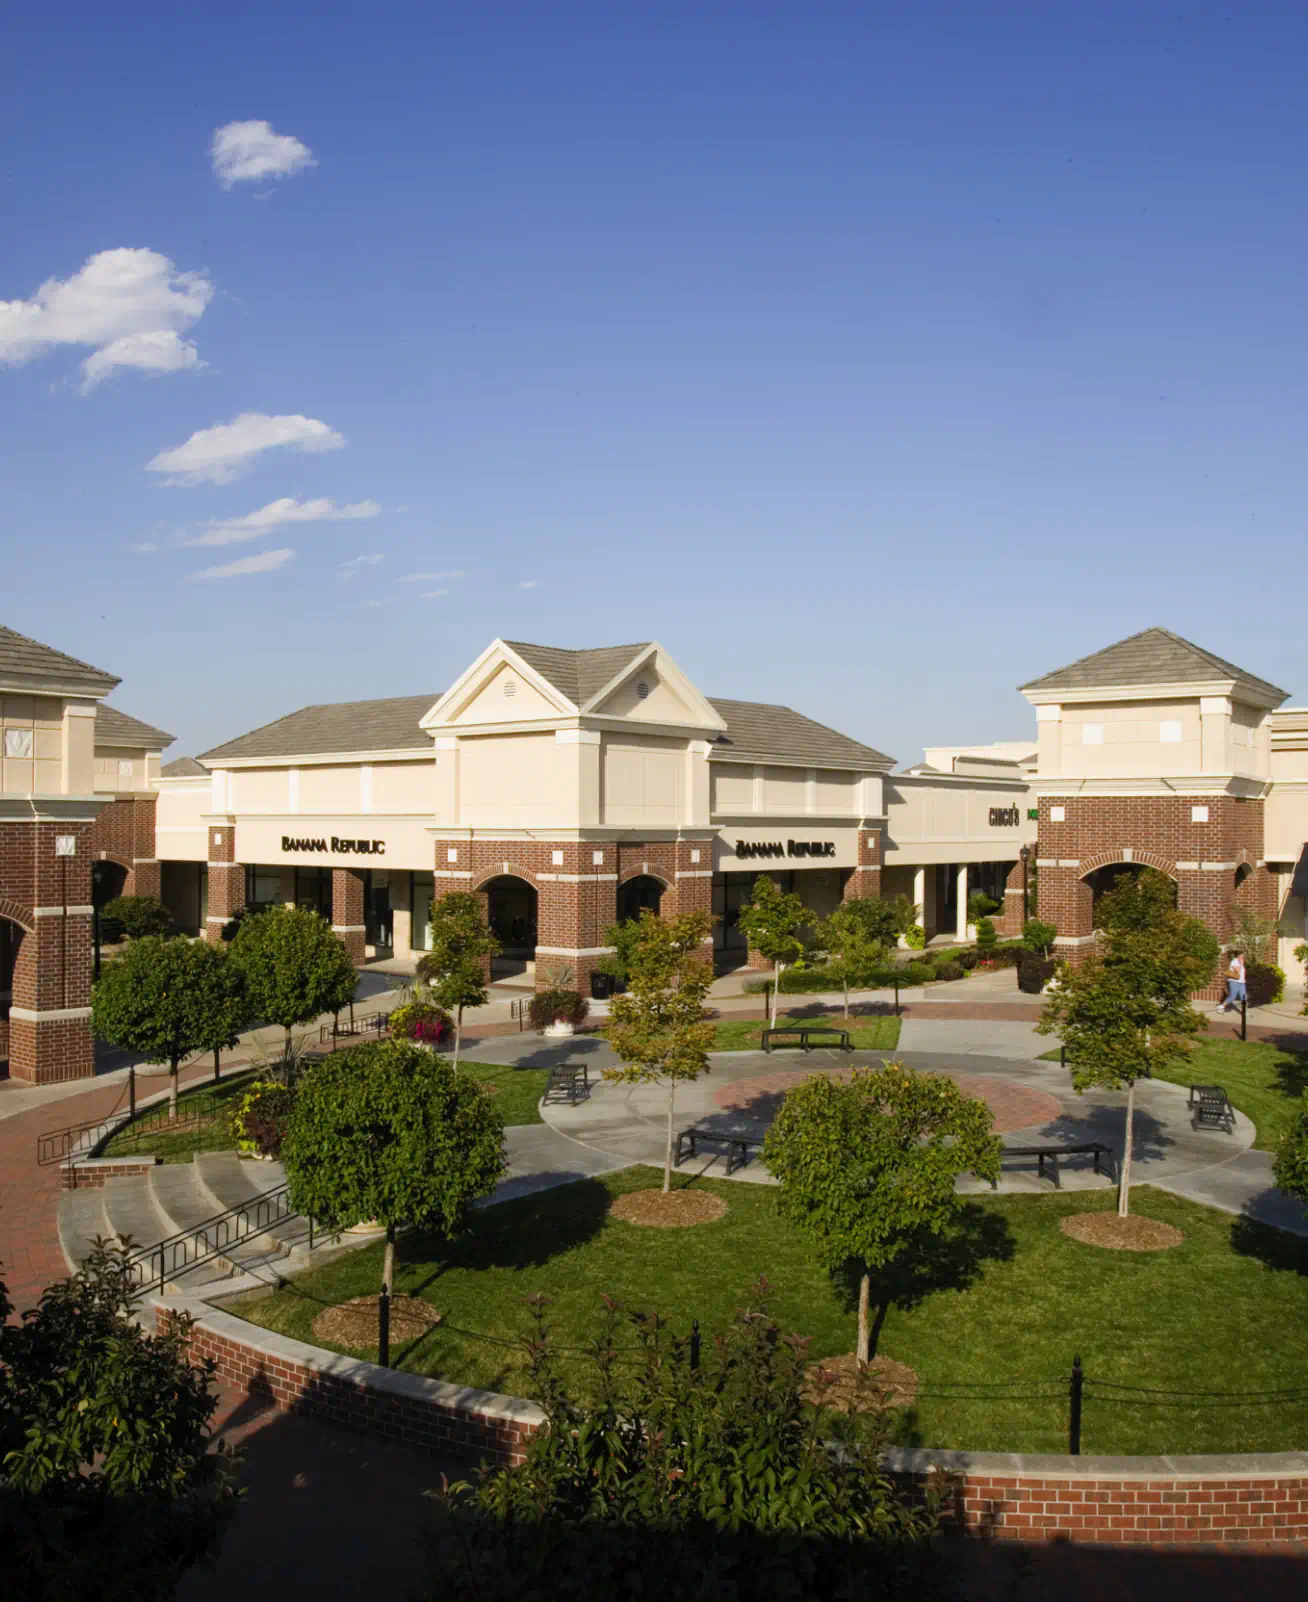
<point x="377" y="1021"/>
<point x="189" y="1248"/>
<point x="81" y="1140"/>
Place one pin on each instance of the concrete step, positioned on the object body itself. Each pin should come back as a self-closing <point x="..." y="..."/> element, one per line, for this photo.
<point x="131" y="1213"/>
<point x="235" y="1180"/>
<point x="81" y="1218"/>
<point x="181" y="1193"/>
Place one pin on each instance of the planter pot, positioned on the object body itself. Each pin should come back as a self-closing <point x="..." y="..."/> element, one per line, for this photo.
<point x="366" y="1226"/>
<point x="559" y="1029"/>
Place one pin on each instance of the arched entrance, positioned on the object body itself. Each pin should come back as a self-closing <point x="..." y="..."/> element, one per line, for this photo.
<point x="644" y="891"/>
<point x="512" y="910"/>
<point x="1107" y="877"/>
<point x="107" y="882"/>
<point x="11" y="938"/>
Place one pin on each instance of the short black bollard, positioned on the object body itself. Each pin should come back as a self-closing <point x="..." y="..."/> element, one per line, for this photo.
<point x="694" y="1344"/>
<point x="1062" y="1056"/>
<point x="131" y="1090"/>
<point x="384" y="1327"/>
<point x="1074" y="1422"/>
<point x="215" y="1064"/>
<point x="1244" y="1018"/>
<point x="896" y="998"/>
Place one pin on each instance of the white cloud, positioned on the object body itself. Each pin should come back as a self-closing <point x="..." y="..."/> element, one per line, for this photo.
<point x="356" y="564"/>
<point x="430" y="595"/>
<point x="246" y="152"/>
<point x="265" y="562"/>
<point x="529" y="584"/>
<point x="277" y="514"/>
<point x="143" y="549"/>
<point x="377" y="603"/>
<point x="131" y="306"/>
<point x="431" y="578"/>
<point x="219" y="454"/>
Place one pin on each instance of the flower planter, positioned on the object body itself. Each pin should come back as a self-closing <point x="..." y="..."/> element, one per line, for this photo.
<point x="560" y="1028"/>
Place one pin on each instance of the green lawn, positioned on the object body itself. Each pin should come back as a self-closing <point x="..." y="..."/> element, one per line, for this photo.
<point x="867" y="1034"/>
<point x="1263" y="1082"/>
<point x="517" y="1090"/>
<point x="202" y="1114"/>
<point x="1227" y="1308"/>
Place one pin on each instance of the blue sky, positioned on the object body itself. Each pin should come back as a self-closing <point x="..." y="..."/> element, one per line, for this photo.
<point x="874" y="359"/>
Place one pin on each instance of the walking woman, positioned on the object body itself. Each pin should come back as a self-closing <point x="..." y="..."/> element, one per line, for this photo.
<point x="1235" y="982"/>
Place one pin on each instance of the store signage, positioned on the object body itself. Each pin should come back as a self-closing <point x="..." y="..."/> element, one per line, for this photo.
<point x="790" y="848"/>
<point x="1004" y="817"/>
<point x="361" y="848"/>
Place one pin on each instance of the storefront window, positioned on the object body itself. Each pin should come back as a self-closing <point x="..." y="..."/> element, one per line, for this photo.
<point x="263" y="887"/>
<point x="420" y="911"/>
<point x="313" y="890"/>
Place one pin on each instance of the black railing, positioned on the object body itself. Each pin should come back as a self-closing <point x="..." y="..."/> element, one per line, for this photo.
<point x="375" y="1024"/>
<point x="190" y="1248"/>
<point x="195" y="1109"/>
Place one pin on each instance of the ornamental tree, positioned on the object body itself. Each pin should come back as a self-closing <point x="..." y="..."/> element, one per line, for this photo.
<point x="1126" y="1013"/>
<point x="139" y="916"/>
<point x="455" y="969"/>
<point x="164" y="999"/>
<point x="295" y="968"/>
<point x="860" y="935"/>
<point x="110" y="1489"/>
<point x="659" y="1028"/>
<point x="773" y="919"/>
<point x="866" y="1167"/>
<point x="1291" y="1170"/>
<point x="390" y="1131"/>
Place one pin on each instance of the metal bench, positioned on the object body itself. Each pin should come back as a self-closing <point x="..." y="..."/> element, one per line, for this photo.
<point x="807" y="1033"/>
<point x="1051" y="1154"/>
<point x="737" y="1146"/>
<point x="1210" y="1108"/>
<point x="568" y="1082"/>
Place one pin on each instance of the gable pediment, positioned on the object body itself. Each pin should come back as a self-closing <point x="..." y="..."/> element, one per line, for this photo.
<point x="499" y="687"/>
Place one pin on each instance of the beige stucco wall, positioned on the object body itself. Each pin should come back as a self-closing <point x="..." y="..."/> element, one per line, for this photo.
<point x="948" y="820"/>
<point x="404" y="787"/>
<point x="1285" y="829"/>
<point x="732" y="787"/>
<point x="121" y="771"/>
<point x="506" y="697"/>
<point x="179" y="826"/>
<point x="1125" y="739"/>
<point x="643" y="781"/>
<point x="36" y="722"/>
<point x="516" y="781"/>
<point x="660" y="705"/>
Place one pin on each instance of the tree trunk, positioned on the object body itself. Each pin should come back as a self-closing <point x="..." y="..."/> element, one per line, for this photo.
<point x="286" y="1050"/>
<point x="667" y="1154"/>
<point x="388" y="1261"/>
<point x="1124" y="1183"/>
<point x="384" y="1301"/>
<point x="864" y="1341"/>
<point x="172" y="1087"/>
<point x="458" y="1032"/>
<point x="776" y="990"/>
<point x="846" y="983"/>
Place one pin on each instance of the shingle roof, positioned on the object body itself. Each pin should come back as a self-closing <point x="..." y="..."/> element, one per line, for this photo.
<point x="183" y="768"/>
<point x="1154" y="656"/>
<point x="387" y="725"/>
<point x="577" y="674"/>
<point x="113" y="727"/>
<point x="758" y="732"/>
<point x="29" y="659"/>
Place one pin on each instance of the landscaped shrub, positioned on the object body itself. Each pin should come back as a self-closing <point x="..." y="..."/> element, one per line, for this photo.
<point x="915" y="937"/>
<point x="1038" y="937"/>
<point x="260" y="1117"/>
<point x="980" y="905"/>
<point x="422" y="1022"/>
<point x="138" y="915"/>
<point x="1265" y="983"/>
<point x="916" y="973"/>
<point x="1034" y="972"/>
<point x="968" y="960"/>
<point x="986" y="937"/>
<point x="558" y="1006"/>
<point x="949" y="970"/>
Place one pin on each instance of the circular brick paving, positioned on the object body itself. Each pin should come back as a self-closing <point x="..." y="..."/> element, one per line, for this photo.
<point x="1012" y="1106"/>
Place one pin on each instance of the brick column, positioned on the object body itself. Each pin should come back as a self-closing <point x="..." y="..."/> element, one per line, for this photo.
<point x="1009" y="922"/>
<point x="576" y="900"/>
<point x="864" y="883"/>
<point x="226" y="880"/>
<point x="347" y="910"/>
<point x="144" y="877"/>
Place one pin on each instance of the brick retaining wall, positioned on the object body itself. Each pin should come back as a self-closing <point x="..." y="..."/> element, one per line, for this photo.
<point x="1233" y="1500"/>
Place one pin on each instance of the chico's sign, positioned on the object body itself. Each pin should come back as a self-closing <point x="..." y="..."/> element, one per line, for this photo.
<point x="1004" y="817"/>
<point x="360" y="848"/>
<point x="790" y="848"/>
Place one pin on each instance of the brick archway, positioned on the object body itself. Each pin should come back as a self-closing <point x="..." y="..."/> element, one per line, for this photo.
<point x="505" y="870"/>
<point x="1137" y="859"/>
<point x="642" y="873"/>
<point x="16" y="912"/>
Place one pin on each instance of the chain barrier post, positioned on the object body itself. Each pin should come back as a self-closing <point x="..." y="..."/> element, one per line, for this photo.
<point x="384" y="1327"/>
<point x="694" y="1344"/>
<point x="1244" y="1017"/>
<point x="1074" y="1423"/>
<point x="131" y="1090"/>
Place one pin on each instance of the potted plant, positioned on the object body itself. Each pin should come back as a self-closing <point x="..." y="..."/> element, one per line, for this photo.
<point x="558" y="1012"/>
<point x="421" y="1022"/>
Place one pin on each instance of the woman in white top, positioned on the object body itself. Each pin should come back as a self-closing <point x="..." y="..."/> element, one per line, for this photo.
<point x="1235" y="983"/>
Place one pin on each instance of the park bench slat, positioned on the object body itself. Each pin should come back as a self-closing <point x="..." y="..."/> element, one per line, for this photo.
<point x="806" y="1032"/>
<point x="688" y="1139"/>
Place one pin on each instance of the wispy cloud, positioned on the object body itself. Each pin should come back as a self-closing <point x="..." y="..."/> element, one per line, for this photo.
<point x="430" y="595"/>
<point x="219" y="454"/>
<point x="529" y="584"/>
<point x="143" y="549"/>
<point x="278" y="514"/>
<point x="356" y="564"/>
<point x="131" y="306"/>
<point x="377" y="603"/>
<point x="247" y="152"/>
<point x="265" y="562"/>
<point x="431" y="578"/>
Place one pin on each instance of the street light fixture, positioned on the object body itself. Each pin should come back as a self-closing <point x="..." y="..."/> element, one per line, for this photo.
<point x="1025" y="854"/>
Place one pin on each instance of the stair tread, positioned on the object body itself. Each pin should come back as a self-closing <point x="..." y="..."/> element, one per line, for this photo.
<point x="80" y="1219"/>
<point x="130" y="1210"/>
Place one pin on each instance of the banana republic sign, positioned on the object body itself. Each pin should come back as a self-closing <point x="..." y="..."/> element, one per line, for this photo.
<point x="361" y="848"/>
<point x="790" y="848"/>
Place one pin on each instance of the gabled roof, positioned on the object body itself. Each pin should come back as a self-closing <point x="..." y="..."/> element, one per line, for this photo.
<point x="1154" y="656"/>
<point x="759" y="732"/>
<point x="386" y="725"/>
<point x="113" y="727"/>
<point x="23" y="659"/>
<point x="183" y="768"/>
<point x="578" y="675"/>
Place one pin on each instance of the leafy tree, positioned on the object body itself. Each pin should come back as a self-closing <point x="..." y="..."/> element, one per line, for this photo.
<point x="860" y="935"/>
<point x="1291" y="1170"/>
<point x="295" y="968"/>
<point x="109" y="1488"/>
<point x="659" y="1028"/>
<point x="980" y="905"/>
<point x="1039" y="937"/>
<point x="866" y="1167"/>
<point x="392" y="1132"/>
<point x="456" y="968"/>
<point x="772" y="920"/>
<point x="1301" y="957"/>
<point x="668" y="1483"/>
<point x="623" y="937"/>
<point x="164" y="999"/>
<point x="1126" y="1012"/>
<point x="139" y="915"/>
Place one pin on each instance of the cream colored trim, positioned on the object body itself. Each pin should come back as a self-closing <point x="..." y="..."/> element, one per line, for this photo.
<point x="693" y="873"/>
<point x="446" y="873"/>
<point x="1218" y="867"/>
<point x="574" y="951"/>
<point x="324" y="759"/>
<point x="62" y="912"/>
<point x="144" y="862"/>
<point x="577" y="878"/>
<point x="1175" y="690"/>
<point x="667" y="669"/>
<point x="577" y="736"/>
<point x="349" y="928"/>
<point x="1074" y="940"/>
<point x="52" y="1015"/>
<point x="470" y="682"/>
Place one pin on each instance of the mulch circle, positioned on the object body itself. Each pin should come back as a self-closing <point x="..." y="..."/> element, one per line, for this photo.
<point x="1132" y="1234"/>
<point x="354" y="1323"/>
<point x="679" y="1209"/>
<point x="842" y="1386"/>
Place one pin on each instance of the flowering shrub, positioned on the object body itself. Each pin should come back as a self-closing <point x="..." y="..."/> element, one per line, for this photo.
<point x="915" y="937"/>
<point x="422" y="1022"/>
<point x="260" y="1118"/>
<point x="558" y="1006"/>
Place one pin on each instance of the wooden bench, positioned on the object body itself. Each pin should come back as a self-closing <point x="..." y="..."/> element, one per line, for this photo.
<point x="806" y="1033"/>
<point x="737" y="1146"/>
<point x="1210" y="1108"/>
<point x="568" y="1082"/>
<point x="1053" y="1153"/>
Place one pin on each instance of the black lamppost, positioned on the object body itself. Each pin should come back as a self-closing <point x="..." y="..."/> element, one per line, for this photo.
<point x="1025" y="855"/>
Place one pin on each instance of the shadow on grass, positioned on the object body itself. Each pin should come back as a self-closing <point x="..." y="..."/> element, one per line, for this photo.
<point x="1274" y="1248"/>
<point x="951" y="1261"/>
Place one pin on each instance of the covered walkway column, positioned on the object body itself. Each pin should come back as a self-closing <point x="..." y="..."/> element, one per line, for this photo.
<point x="920" y="898"/>
<point x="226" y="880"/>
<point x="347" y="910"/>
<point x="961" y="895"/>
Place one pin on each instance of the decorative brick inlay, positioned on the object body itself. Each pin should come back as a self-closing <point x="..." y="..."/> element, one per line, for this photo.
<point x="1011" y="1106"/>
